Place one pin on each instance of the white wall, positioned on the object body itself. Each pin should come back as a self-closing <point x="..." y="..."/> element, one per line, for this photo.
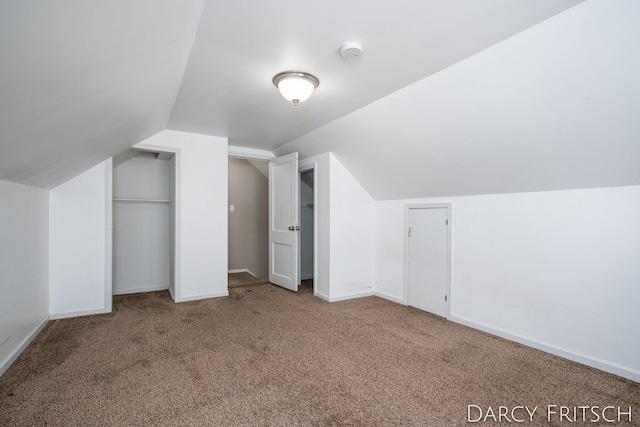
<point x="24" y="258"/>
<point x="141" y="230"/>
<point x="345" y="219"/>
<point x="556" y="270"/>
<point x="79" y="244"/>
<point x="352" y="220"/>
<point x="141" y="177"/>
<point x="201" y="215"/>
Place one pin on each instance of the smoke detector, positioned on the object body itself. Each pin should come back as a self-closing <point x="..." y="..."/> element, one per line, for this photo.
<point x="351" y="50"/>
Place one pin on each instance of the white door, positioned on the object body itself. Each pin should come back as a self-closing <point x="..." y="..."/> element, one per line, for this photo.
<point x="283" y="221"/>
<point x="428" y="259"/>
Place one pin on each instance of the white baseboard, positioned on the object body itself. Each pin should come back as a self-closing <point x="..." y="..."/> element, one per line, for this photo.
<point x="170" y="289"/>
<point x="389" y="297"/>
<point x="359" y="294"/>
<point x="602" y="365"/>
<point x="67" y="314"/>
<point x="140" y="290"/>
<point x="205" y="296"/>
<point x="242" y="270"/>
<point x="323" y="296"/>
<point x="353" y="295"/>
<point x="8" y="361"/>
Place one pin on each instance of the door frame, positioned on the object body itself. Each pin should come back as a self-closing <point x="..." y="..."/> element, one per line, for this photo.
<point x="405" y="279"/>
<point x="176" y="296"/>
<point x="244" y="153"/>
<point x="302" y="169"/>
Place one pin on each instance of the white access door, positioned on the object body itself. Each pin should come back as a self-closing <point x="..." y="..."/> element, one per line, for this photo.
<point x="283" y="221"/>
<point x="428" y="267"/>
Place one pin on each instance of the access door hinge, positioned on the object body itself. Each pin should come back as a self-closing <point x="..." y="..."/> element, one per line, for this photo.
<point x="446" y="222"/>
<point x="409" y="232"/>
<point x="445" y="297"/>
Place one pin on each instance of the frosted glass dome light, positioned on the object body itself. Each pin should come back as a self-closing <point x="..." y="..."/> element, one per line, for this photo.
<point x="295" y="86"/>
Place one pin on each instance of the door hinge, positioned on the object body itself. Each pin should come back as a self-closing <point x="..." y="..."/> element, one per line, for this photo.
<point x="445" y="297"/>
<point x="409" y="232"/>
<point x="446" y="222"/>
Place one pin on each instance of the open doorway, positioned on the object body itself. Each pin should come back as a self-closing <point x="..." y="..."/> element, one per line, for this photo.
<point x="248" y="215"/>
<point x="143" y="222"/>
<point x="252" y="192"/>
<point x="307" y="229"/>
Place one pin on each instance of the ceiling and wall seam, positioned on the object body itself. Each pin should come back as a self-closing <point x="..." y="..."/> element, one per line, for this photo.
<point x="46" y="153"/>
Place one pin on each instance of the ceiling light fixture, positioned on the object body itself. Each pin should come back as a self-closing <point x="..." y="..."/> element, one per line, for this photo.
<point x="295" y="86"/>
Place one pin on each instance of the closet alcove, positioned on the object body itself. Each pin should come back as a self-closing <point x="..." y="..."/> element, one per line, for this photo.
<point x="143" y="222"/>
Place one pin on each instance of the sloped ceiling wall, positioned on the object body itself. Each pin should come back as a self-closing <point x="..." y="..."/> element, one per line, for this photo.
<point x="554" y="107"/>
<point x="81" y="81"/>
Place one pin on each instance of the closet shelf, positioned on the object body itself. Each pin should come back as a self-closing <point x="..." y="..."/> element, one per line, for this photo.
<point x="142" y="200"/>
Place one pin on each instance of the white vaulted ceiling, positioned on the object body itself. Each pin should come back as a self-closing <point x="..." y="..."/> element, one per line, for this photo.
<point x="554" y="107"/>
<point x="240" y="46"/>
<point x="443" y="89"/>
<point x="83" y="80"/>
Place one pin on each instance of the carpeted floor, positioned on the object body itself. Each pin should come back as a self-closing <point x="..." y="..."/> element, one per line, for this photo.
<point x="243" y="279"/>
<point x="267" y="356"/>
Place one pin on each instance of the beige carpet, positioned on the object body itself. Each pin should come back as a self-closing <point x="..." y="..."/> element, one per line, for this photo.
<point x="243" y="279"/>
<point x="267" y="356"/>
